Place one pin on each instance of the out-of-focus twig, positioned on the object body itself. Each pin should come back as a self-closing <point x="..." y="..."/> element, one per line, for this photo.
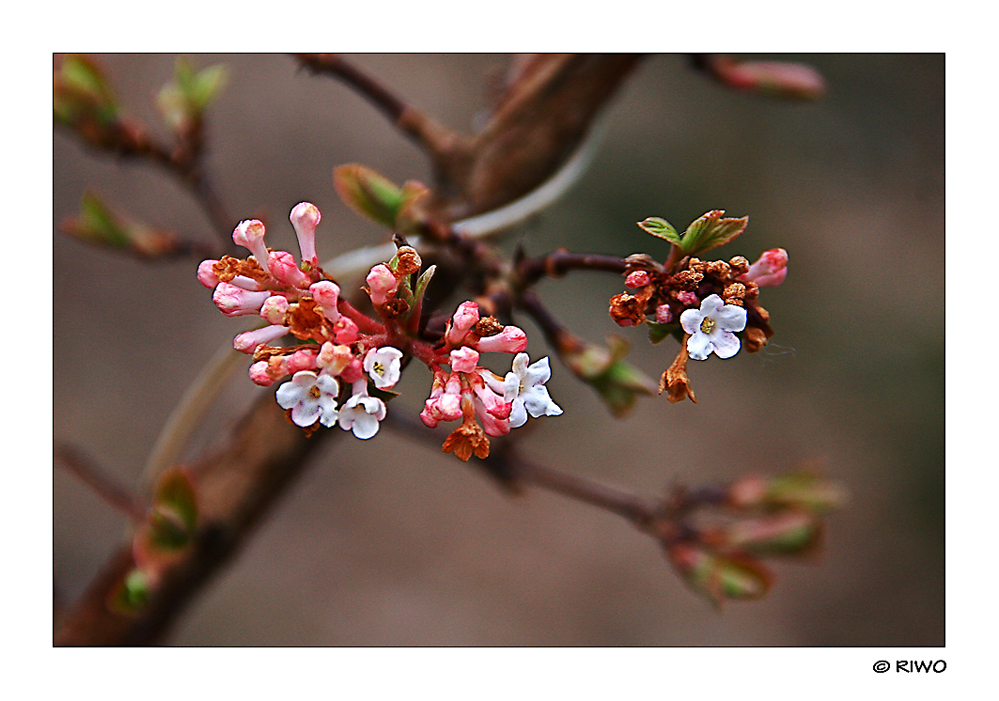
<point x="110" y="491"/>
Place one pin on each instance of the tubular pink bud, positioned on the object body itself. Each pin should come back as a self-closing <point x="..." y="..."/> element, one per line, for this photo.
<point x="464" y="359"/>
<point x="247" y="341"/>
<point x="326" y="293"/>
<point x="250" y="235"/>
<point x="464" y="319"/>
<point x="259" y="374"/>
<point x="301" y="360"/>
<point x="346" y="331"/>
<point x="305" y="218"/>
<point x="274" y="308"/>
<point x="381" y="282"/>
<point x="235" y="301"/>
<point x="511" y="339"/>
<point x="206" y="275"/>
<point x="283" y="267"/>
<point x="769" y="271"/>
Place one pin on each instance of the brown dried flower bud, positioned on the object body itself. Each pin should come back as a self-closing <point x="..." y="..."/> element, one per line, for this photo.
<point x="718" y="268"/>
<point x="674" y="381"/>
<point x="734" y="293"/>
<point x="755" y="339"/>
<point x="697" y="265"/>
<point x="395" y="307"/>
<point x="738" y="265"/>
<point x="409" y="261"/>
<point x="488" y="326"/>
<point x="688" y="280"/>
<point x="627" y="310"/>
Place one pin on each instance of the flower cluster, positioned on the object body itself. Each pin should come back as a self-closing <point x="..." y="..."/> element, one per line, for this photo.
<point x="711" y="305"/>
<point x="343" y="353"/>
<point x="340" y="348"/>
<point x="487" y="404"/>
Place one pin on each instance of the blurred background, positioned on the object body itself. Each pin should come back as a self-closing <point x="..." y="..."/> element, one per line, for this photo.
<point x="388" y="542"/>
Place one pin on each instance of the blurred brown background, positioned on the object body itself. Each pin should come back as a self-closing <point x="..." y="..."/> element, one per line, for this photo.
<point x="390" y="543"/>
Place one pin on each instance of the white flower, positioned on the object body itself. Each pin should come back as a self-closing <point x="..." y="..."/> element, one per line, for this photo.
<point x="310" y="397"/>
<point x="383" y="365"/>
<point x="525" y="387"/>
<point x="361" y="414"/>
<point x="711" y="327"/>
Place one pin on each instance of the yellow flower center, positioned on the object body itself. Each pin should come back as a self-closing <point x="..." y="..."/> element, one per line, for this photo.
<point x="707" y="324"/>
<point x="314" y="391"/>
<point x="378" y="368"/>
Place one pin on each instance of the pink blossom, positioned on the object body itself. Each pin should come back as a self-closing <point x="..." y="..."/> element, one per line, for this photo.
<point x="326" y="293"/>
<point x="688" y="299"/>
<point x="250" y="235"/>
<point x="464" y="319"/>
<point x="381" y="282"/>
<point x="511" y="339"/>
<point x="235" y="301"/>
<point x="305" y="218"/>
<point x="247" y="341"/>
<point x="769" y="271"/>
<point x="464" y="359"/>
<point x="491" y="401"/>
<point x="345" y="330"/>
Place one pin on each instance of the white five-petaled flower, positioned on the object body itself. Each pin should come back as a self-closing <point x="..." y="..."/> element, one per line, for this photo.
<point x="361" y="414"/>
<point x="383" y="365"/>
<point x="525" y="387"/>
<point x="310" y="397"/>
<point x="711" y="327"/>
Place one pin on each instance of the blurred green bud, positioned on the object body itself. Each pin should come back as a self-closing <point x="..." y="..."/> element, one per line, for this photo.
<point x="183" y="100"/>
<point x="719" y="577"/>
<point x="800" y="490"/>
<point x="368" y="193"/>
<point x="171" y="524"/>
<point x="787" y="533"/>
<point x="618" y="383"/>
<point x="131" y="594"/>
<point x="83" y="101"/>
<point x="98" y="224"/>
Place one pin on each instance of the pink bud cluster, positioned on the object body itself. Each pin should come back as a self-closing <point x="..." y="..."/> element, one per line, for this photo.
<point x="341" y="349"/>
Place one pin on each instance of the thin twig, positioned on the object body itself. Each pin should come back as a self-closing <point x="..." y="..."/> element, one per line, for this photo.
<point x="110" y="491"/>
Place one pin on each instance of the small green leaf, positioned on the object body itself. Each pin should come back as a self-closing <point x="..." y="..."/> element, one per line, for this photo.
<point x="175" y="492"/>
<point x="710" y="231"/>
<point x="658" y="226"/>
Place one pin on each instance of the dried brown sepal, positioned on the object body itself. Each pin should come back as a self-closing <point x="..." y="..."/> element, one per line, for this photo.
<point x="409" y="261"/>
<point x="674" y="380"/>
<point x="394" y="308"/>
<point x="466" y="440"/>
<point x="755" y="339"/>
<point x="305" y="322"/>
<point x="628" y="309"/>
<point x="228" y="267"/>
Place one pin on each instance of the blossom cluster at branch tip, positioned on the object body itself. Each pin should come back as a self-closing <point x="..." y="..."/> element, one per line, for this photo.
<point x="343" y="355"/>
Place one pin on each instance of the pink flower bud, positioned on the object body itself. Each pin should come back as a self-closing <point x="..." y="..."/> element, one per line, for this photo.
<point x="259" y="374"/>
<point x="305" y="218"/>
<point x="510" y="340"/>
<point x="769" y="271"/>
<point x="326" y="293"/>
<point x="283" y="267"/>
<point x="207" y="276"/>
<point x="346" y="331"/>
<point x="250" y="235"/>
<point x="353" y="371"/>
<point x="235" y="301"/>
<point x="464" y="319"/>
<point x="247" y="341"/>
<point x="464" y="359"/>
<point x="688" y="299"/>
<point x="664" y="314"/>
<point x="301" y="360"/>
<point x="334" y="358"/>
<point x="381" y="282"/>
<point x="636" y="279"/>
<point x="274" y="308"/>
<point x="492" y="402"/>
